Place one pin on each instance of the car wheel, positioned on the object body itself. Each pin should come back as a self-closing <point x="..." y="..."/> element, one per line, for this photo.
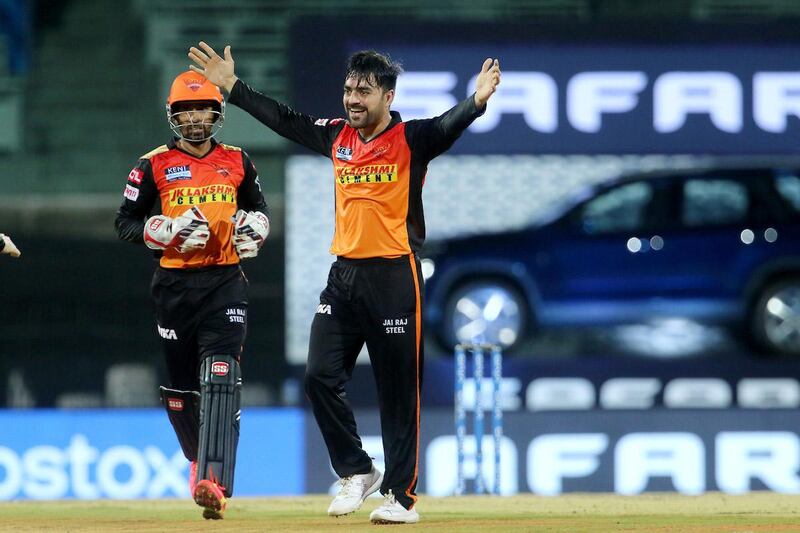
<point x="484" y="311"/>
<point x="776" y="318"/>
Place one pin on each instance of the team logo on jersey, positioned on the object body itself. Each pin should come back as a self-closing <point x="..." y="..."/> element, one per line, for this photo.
<point x="366" y="174"/>
<point x="131" y="193"/>
<point x="202" y="195"/>
<point x="181" y="172"/>
<point x="136" y="176"/>
<point x="222" y="171"/>
<point x="324" y="309"/>
<point x="382" y="149"/>
<point x="344" y="153"/>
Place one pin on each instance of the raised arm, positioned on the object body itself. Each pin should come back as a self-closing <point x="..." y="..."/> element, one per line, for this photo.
<point x="316" y="135"/>
<point x="487" y="81"/>
<point x="218" y="70"/>
<point x="431" y="137"/>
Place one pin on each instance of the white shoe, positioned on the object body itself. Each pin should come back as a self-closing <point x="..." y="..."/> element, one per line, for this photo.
<point x="391" y="512"/>
<point x="353" y="491"/>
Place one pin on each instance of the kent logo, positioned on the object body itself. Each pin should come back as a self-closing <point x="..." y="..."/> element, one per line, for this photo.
<point x="219" y="368"/>
<point x="181" y="172"/>
<point x="344" y="153"/>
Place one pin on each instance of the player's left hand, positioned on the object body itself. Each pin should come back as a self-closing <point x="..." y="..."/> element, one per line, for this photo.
<point x="487" y="82"/>
<point x="249" y="232"/>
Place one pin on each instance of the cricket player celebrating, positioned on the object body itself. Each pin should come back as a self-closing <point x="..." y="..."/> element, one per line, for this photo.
<point x="374" y="291"/>
<point x="212" y="214"/>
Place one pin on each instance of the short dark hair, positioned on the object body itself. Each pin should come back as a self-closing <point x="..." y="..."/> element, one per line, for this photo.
<point x="374" y="67"/>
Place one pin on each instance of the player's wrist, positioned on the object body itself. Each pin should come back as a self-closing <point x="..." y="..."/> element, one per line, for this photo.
<point x="228" y="83"/>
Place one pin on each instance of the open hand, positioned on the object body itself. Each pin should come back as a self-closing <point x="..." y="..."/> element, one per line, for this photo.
<point x="218" y="70"/>
<point x="487" y="82"/>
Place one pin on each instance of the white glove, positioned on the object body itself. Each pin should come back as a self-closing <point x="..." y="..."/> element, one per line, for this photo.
<point x="249" y="231"/>
<point x="184" y="233"/>
<point x="9" y="247"/>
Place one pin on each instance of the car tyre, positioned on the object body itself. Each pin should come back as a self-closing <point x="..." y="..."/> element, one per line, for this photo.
<point x="775" y="320"/>
<point x="486" y="311"/>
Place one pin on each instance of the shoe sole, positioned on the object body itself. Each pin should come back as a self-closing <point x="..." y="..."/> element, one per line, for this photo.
<point x="384" y="522"/>
<point x="373" y="488"/>
<point x="211" y="514"/>
<point x="214" y="507"/>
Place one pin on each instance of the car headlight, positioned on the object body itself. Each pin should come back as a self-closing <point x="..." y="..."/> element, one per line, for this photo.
<point x="428" y="268"/>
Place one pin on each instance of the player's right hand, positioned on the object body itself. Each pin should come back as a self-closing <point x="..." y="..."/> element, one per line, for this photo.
<point x="184" y="233"/>
<point x="9" y="247"/>
<point x="218" y="70"/>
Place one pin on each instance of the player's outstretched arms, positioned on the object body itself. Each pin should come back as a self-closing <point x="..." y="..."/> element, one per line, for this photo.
<point x="218" y="70"/>
<point x="7" y="246"/>
<point x="487" y="82"/>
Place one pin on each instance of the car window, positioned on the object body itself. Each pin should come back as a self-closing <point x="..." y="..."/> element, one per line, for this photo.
<point x="620" y="209"/>
<point x="788" y="186"/>
<point x="714" y="202"/>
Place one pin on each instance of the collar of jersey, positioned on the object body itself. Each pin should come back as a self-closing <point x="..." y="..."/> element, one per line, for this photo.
<point x="173" y="145"/>
<point x="395" y="120"/>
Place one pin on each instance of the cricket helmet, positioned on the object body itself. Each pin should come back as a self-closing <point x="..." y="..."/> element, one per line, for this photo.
<point x="190" y="86"/>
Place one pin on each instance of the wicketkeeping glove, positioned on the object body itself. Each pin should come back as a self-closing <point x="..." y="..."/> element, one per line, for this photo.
<point x="249" y="231"/>
<point x="184" y="233"/>
<point x="8" y="246"/>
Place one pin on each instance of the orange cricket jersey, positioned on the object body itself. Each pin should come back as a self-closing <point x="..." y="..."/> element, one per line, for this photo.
<point x="209" y="183"/>
<point x="372" y="181"/>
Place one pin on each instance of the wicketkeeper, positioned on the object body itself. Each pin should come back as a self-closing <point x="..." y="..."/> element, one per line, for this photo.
<point x="211" y="214"/>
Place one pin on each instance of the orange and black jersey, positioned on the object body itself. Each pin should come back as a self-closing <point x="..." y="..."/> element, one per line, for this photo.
<point x="377" y="183"/>
<point x="218" y="183"/>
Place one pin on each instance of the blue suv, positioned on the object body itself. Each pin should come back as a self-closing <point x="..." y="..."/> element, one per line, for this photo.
<point x="718" y="245"/>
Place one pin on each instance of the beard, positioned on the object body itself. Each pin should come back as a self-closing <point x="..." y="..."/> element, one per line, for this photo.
<point x="196" y="133"/>
<point x="362" y="119"/>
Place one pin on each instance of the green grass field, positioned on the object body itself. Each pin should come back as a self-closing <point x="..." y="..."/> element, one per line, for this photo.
<point x="574" y="513"/>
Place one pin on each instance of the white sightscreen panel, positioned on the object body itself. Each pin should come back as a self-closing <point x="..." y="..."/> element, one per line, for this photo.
<point x="462" y="195"/>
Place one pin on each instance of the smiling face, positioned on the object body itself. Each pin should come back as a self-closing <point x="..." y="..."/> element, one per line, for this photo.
<point x="366" y="104"/>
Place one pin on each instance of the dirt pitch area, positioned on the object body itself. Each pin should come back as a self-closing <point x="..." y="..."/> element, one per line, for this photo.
<point x="572" y="513"/>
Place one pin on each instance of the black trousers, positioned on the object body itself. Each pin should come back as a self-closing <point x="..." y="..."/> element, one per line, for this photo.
<point x="378" y="302"/>
<point x="200" y="313"/>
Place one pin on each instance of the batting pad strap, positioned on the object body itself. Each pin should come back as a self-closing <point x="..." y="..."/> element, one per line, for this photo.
<point x="183" y="410"/>
<point x="220" y="399"/>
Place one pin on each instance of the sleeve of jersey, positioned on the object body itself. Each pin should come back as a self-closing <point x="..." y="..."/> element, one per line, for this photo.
<point x="434" y="136"/>
<point x="315" y="134"/>
<point x="139" y="197"/>
<point x="250" y="197"/>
